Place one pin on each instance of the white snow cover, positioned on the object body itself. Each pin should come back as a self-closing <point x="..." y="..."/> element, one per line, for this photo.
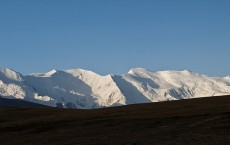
<point x="77" y="88"/>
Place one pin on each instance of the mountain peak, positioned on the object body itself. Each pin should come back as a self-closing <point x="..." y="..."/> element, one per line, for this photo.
<point x="7" y="70"/>
<point x="80" y="71"/>
<point x="186" y="71"/>
<point x="137" y="70"/>
<point x="10" y="74"/>
<point x="52" y="72"/>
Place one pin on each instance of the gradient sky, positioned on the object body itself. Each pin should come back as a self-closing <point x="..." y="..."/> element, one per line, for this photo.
<point x="112" y="36"/>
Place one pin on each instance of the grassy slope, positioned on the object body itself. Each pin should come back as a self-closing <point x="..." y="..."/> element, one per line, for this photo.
<point x="196" y="121"/>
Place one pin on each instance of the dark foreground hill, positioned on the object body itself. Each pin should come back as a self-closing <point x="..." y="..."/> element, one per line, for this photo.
<point x="18" y="103"/>
<point x="204" y="121"/>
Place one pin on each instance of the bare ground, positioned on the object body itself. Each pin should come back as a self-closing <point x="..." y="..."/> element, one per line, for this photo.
<point x="204" y="121"/>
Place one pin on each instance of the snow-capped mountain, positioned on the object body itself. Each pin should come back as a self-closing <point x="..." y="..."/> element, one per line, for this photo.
<point x="77" y="88"/>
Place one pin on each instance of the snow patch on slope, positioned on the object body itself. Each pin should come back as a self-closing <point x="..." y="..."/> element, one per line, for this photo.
<point x="11" y="91"/>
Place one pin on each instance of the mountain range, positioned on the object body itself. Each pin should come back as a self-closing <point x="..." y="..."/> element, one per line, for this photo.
<point x="83" y="89"/>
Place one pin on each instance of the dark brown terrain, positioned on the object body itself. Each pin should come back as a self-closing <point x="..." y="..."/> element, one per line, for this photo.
<point x="18" y="103"/>
<point x="204" y="121"/>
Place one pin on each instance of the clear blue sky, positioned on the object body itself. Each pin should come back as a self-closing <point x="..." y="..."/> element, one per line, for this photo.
<point x="112" y="36"/>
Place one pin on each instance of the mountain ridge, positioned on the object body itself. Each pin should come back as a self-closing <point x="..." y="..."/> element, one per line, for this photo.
<point x="85" y="89"/>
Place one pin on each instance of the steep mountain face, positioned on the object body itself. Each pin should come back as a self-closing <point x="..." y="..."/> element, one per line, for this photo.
<point x="77" y="88"/>
<point x="13" y="85"/>
<point x="174" y="85"/>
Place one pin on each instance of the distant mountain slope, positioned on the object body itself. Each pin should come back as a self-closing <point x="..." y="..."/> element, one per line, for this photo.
<point x="77" y="88"/>
<point x="174" y="85"/>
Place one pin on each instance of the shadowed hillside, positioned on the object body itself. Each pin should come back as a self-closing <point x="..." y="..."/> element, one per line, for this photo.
<point x="18" y="103"/>
<point x="204" y="121"/>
